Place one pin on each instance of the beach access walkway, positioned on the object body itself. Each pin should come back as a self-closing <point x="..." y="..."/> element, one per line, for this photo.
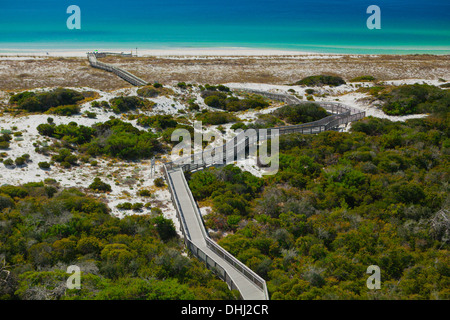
<point x="235" y="273"/>
<point x="125" y="75"/>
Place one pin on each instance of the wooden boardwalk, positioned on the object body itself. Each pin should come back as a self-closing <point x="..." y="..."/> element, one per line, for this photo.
<point x="207" y="250"/>
<point x="340" y="114"/>
<point x="228" y="268"/>
<point x="237" y="275"/>
<point x="125" y="75"/>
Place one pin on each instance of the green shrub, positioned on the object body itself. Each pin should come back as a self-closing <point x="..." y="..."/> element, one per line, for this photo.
<point x="124" y="104"/>
<point x="120" y="139"/>
<point x="220" y="100"/>
<point x="214" y="101"/>
<point x="160" y="122"/>
<point x="193" y="107"/>
<point x="321" y="80"/>
<point x="14" y="191"/>
<point x="20" y="161"/>
<point x="363" y="79"/>
<point x="137" y="206"/>
<point x="65" y="157"/>
<point x="301" y="113"/>
<point x="182" y="85"/>
<point x="8" y="162"/>
<point x="408" y="192"/>
<point x="65" y="164"/>
<point x="66" y="110"/>
<point x="91" y="115"/>
<point x="105" y="105"/>
<point x="223" y="88"/>
<point x="50" y="191"/>
<point x="41" y="102"/>
<point x="415" y="98"/>
<point x="99" y="186"/>
<point x="238" y="125"/>
<point x="159" y="182"/>
<point x="4" y="145"/>
<point x="214" y="118"/>
<point x="124" y="206"/>
<point x="5" y="202"/>
<point x="165" y="228"/>
<point x="265" y="121"/>
<point x="44" y="165"/>
<point x="114" y="138"/>
<point x="144" y="193"/>
<point x="220" y="87"/>
<point x="71" y="132"/>
<point x="148" y="92"/>
<point x="4" y="140"/>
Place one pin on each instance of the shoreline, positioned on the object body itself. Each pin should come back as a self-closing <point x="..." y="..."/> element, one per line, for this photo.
<point x="207" y="51"/>
<point x="189" y="52"/>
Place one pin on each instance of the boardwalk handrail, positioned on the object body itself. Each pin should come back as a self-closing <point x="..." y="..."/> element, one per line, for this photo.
<point x="212" y="264"/>
<point x="241" y="267"/>
<point x="198" y="215"/>
<point x="340" y="114"/>
<point x="194" y="249"/>
<point x="238" y="265"/>
<point x="127" y="76"/>
<point x="184" y="228"/>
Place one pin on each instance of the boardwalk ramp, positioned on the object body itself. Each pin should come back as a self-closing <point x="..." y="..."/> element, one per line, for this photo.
<point x="125" y="75"/>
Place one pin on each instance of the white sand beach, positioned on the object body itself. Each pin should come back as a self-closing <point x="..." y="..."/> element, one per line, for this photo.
<point x="176" y="52"/>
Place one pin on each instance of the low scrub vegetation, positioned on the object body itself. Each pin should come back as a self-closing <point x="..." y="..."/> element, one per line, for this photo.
<point x="375" y="195"/>
<point x="159" y="122"/>
<point x="113" y="138"/>
<point x="301" y="113"/>
<point x="363" y="79"/>
<point x="225" y="101"/>
<point x="125" y="104"/>
<point x="45" y="229"/>
<point x="44" y="101"/>
<point x="155" y="90"/>
<point x="321" y="80"/>
<point x="214" y="118"/>
<point x="415" y="98"/>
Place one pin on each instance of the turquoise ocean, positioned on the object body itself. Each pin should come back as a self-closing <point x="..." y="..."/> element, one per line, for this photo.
<point x="324" y="26"/>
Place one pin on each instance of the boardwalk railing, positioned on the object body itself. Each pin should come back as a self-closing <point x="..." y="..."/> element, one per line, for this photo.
<point x="125" y="75"/>
<point x="339" y="114"/>
<point x="246" y="271"/>
<point x="195" y="250"/>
